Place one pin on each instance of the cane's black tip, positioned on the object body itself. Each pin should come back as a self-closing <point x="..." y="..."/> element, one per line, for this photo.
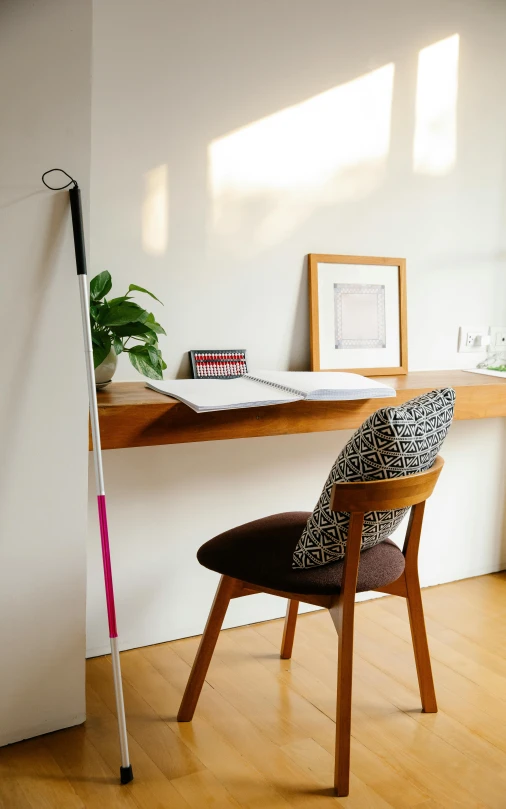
<point x="126" y="774"/>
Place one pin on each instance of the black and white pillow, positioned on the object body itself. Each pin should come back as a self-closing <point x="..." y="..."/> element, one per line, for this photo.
<point x="393" y="442"/>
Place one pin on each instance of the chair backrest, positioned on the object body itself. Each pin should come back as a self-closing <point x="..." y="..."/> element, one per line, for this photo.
<point x="385" y="495"/>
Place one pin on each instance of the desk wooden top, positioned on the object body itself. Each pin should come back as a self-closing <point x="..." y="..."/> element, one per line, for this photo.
<point x="132" y="415"/>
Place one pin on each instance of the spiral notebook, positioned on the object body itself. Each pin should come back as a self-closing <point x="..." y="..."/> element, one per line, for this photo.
<point x="264" y="388"/>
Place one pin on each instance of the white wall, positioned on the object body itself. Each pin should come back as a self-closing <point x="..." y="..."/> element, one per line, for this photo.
<point x="45" y="60"/>
<point x="206" y="192"/>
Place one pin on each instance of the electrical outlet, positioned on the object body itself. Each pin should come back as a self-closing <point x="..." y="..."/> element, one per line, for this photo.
<point x="473" y="339"/>
<point x="498" y="338"/>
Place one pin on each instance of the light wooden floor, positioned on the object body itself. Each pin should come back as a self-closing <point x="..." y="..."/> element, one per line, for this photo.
<point x="263" y="733"/>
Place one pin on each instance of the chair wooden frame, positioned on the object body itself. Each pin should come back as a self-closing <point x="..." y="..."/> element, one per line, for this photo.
<point x="356" y="499"/>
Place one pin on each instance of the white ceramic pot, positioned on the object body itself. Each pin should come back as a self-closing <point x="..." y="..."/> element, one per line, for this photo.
<point x="105" y="371"/>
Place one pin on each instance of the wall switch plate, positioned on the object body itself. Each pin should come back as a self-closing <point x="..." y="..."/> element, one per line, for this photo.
<point x="498" y="338"/>
<point x="473" y="339"/>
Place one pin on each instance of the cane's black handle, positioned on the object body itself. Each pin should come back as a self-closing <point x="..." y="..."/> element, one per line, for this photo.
<point x="77" y="226"/>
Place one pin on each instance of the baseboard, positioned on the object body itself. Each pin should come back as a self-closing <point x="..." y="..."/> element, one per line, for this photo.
<point x="43" y="728"/>
<point x="468" y="573"/>
<point x="100" y="651"/>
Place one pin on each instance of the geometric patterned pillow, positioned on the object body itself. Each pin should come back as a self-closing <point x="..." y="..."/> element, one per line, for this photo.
<point x="394" y="441"/>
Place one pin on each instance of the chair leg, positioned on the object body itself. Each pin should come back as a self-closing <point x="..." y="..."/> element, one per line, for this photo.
<point x="343" y="617"/>
<point x="205" y="651"/>
<point x="292" y="609"/>
<point x="420" y="645"/>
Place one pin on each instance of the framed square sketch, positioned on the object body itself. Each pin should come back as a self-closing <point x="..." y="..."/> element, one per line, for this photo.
<point x="357" y="308"/>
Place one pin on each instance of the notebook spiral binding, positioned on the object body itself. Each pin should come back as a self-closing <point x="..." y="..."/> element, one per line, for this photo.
<point x="274" y="385"/>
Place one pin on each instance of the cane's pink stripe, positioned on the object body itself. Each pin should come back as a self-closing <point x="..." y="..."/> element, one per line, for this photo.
<point x="106" y="556"/>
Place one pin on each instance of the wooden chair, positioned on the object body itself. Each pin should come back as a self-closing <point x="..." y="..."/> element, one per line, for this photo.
<point x="257" y="558"/>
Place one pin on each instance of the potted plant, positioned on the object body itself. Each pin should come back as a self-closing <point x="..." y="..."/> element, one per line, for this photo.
<point x="117" y="322"/>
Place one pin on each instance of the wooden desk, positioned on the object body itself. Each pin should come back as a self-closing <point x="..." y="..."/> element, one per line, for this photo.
<point x="132" y="415"/>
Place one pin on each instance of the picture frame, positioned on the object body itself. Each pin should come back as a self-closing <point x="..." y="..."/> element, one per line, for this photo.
<point x="358" y="314"/>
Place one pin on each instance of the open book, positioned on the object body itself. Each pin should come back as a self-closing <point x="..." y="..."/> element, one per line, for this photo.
<point x="271" y="387"/>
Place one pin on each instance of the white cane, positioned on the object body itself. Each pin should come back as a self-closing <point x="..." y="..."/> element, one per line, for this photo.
<point x="126" y="773"/>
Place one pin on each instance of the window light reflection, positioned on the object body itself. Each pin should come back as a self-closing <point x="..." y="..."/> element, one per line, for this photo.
<point x="155" y="211"/>
<point x="435" y="141"/>
<point x="268" y="177"/>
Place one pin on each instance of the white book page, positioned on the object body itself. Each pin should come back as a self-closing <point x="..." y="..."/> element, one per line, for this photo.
<point x="486" y="372"/>
<point x="222" y="394"/>
<point x="311" y="382"/>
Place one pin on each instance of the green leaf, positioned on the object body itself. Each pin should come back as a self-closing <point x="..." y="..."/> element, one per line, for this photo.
<point x="100" y="285"/>
<point x="150" y="338"/>
<point x="101" y="347"/>
<point x="153" y="356"/>
<point x="122" y="313"/>
<point x="134" y="287"/>
<point x="153" y="325"/>
<point x="131" y="330"/>
<point x="103" y="307"/>
<point x="94" y="311"/>
<point x="161" y="363"/>
<point x="115" y="301"/>
<point x="142" y="363"/>
<point x="151" y="352"/>
<point x="117" y="345"/>
<point x="143" y="318"/>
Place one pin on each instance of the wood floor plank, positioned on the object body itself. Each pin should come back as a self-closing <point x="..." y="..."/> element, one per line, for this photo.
<point x="159" y="741"/>
<point x="242" y="735"/>
<point x="479" y="751"/>
<point x="482" y="649"/>
<point x="202" y="790"/>
<point x="150" y="787"/>
<point x="466" y="613"/>
<point x="318" y="656"/>
<point x="235" y="772"/>
<point x="372" y="768"/>
<point x="12" y="795"/>
<point x="95" y="783"/>
<point x="485" y="672"/>
<point x="467" y="729"/>
<point x="315" y="636"/>
<point x="444" y="651"/>
<point x="263" y="732"/>
<point x="319" y="763"/>
<point x="406" y="727"/>
<point x="246" y="684"/>
<point x="265" y="756"/>
<point x="30" y="776"/>
<point x="395" y="658"/>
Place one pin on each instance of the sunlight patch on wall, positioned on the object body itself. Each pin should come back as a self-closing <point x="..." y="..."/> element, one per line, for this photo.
<point x="267" y="178"/>
<point x="435" y="141"/>
<point x="155" y="211"/>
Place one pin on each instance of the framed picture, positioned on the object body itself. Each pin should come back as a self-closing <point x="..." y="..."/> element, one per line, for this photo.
<point x="358" y="320"/>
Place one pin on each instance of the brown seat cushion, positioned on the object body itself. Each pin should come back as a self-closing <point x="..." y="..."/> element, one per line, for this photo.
<point x="260" y="552"/>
